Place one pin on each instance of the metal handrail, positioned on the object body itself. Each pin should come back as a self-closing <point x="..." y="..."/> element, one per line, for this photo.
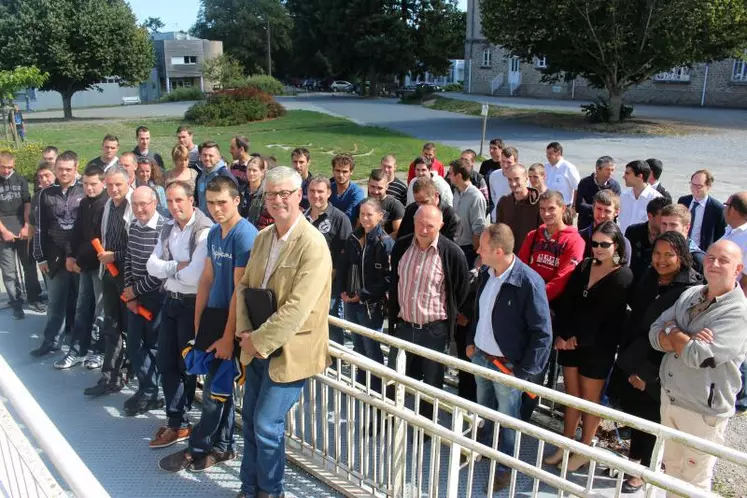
<point x="67" y="462"/>
<point x="604" y="412"/>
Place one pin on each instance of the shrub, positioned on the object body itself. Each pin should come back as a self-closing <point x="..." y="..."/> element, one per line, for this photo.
<point x="27" y="158"/>
<point x="267" y="84"/>
<point x="234" y="107"/>
<point x="418" y="95"/>
<point x="454" y="87"/>
<point x="180" y="94"/>
<point x="599" y="111"/>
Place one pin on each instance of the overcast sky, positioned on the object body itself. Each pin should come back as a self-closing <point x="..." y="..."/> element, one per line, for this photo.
<point x="180" y="14"/>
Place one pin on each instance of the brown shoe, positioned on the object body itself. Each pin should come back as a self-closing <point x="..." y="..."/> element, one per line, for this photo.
<point x="176" y="462"/>
<point x="502" y="480"/>
<point x="166" y="436"/>
<point x="211" y="459"/>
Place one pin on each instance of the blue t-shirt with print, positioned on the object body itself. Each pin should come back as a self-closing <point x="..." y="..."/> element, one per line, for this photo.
<point x="227" y="254"/>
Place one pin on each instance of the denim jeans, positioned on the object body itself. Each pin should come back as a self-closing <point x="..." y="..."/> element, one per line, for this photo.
<point x="90" y="300"/>
<point x="59" y="288"/>
<point x="337" y="310"/>
<point x="359" y="313"/>
<point x="266" y="404"/>
<point x="741" y="404"/>
<point x="215" y="428"/>
<point x="115" y="323"/>
<point x="498" y="397"/>
<point x="142" y="344"/>
<point x="176" y="330"/>
<point x="9" y="269"/>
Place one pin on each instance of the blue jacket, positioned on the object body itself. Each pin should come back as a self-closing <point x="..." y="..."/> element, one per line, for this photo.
<point x="520" y="318"/>
<point x="203" y="178"/>
<point x="228" y="372"/>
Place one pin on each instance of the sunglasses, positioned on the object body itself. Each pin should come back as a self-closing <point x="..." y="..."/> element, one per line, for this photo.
<point x="603" y="245"/>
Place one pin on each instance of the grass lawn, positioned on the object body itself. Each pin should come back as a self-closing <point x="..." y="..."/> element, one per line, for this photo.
<point x="323" y="135"/>
<point x="567" y="120"/>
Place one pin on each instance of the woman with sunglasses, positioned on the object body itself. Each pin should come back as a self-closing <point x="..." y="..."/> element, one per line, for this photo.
<point x="588" y="322"/>
<point x="635" y="381"/>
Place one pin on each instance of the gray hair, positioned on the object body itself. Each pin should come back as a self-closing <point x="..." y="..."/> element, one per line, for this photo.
<point x="282" y="174"/>
<point x="117" y="169"/>
<point x="605" y="160"/>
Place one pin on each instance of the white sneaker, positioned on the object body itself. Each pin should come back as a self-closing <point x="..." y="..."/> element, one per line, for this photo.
<point x="93" y="361"/>
<point x="70" y="360"/>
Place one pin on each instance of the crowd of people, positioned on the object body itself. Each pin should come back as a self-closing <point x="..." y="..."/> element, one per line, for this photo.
<point x="157" y="275"/>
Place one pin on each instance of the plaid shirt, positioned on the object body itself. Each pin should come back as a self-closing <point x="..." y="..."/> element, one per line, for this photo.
<point x="422" y="285"/>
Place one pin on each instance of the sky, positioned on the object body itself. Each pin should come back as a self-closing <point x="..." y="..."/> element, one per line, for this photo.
<point x="181" y="14"/>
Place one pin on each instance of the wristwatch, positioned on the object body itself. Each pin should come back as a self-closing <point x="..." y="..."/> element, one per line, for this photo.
<point x="668" y="330"/>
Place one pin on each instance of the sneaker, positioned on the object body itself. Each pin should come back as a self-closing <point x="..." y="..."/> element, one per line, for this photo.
<point x="177" y="462"/>
<point x="37" y="306"/>
<point x="137" y="404"/>
<point x="211" y="459"/>
<point x="105" y="386"/>
<point x="70" y="360"/>
<point x="18" y="314"/>
<point x="166" y="436"/>
<point x="93" y="361"/>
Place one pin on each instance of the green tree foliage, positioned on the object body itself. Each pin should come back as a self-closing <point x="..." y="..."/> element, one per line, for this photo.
<point x="12" y="82"/>
<point x="616" y="44"/>
<point x="242" y="27"/>
<point x="153" y="24"/>
<point x="223" y="69"/>
<point x="441" y="31"/>
<point x="78" y="42"/>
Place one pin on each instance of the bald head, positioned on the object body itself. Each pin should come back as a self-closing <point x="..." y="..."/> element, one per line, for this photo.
<point x="428" y="221"/>
<point x="723" y="266"/>
<point x="144" y="201"/>
<point x="735" y="211"/>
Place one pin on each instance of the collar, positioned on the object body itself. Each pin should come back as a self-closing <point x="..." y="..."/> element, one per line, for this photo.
<point x="506" y="273"/>
<point x="287" y="235"/>
<point x="433" y="244"/>
<point x="594" y="176"/>
<point x="189" y="223"/>
<point x="152" y="222"/>
<point x="138" y="152"/>
<point x="326" y="211"/>
<point x="702" y="202"/>
<point x="6" y="178"/>
<point x="741" y="228"/>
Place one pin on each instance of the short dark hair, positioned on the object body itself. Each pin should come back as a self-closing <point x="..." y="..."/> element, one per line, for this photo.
<point x="94" y="170"/>
<point x="110" y="138"/>
<point x="471" y="153"/>
<point x="612" y="230"/>
<point x="639" y="168"/>
<point x="301" y="151"/>
<point x="50" y="148"/>
<point x="68" y="155"/>
<point x="709" y="176"/>
<point x="184" y="128"/>
<point x="738" y="202"/>
<point x="343" y="160"/>
<point x="221" y="184"/>
<point x="680" y="246"/>
<point x="555" y="146"/>
<point x="242" y="142"/>
<point x="607" y="197"/>
<point x="462" y="168"/>
<point x="429" y="146"/>
<point x="657" y="167"/>
<point x="498" y="142"/>
<point x="604" y="160"/>
<point x="377" y="175"/>
<point x="141" y="129"/>
<point x="186" y="187"/>
<point x="420" y="160"/>
<point x="655" y="206"/>
<point x="209" y="144"/>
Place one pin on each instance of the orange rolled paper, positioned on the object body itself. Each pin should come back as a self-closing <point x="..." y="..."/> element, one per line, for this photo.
<point x="96" y="243"/>
<point x="141" y="310"/>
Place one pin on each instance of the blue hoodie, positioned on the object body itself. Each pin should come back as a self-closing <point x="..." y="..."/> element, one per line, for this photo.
<point x="203" y="178"/>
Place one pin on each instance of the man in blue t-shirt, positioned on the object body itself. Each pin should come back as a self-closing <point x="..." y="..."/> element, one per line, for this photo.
<point x="229" y="244"/>
<point x="346" y="195"/>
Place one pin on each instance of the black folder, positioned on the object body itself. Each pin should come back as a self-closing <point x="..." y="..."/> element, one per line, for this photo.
<point x="260" y="305"/>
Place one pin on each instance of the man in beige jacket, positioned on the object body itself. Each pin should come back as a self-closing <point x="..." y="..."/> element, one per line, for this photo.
<point x="290" y="258"/>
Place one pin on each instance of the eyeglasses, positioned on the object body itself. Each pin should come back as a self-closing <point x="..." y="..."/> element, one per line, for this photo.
<point x="283" y="194"/>
<point x="141" y="205"/>
<point x="603" y="245"/>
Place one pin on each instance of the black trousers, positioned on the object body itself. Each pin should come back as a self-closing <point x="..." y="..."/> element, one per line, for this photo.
<point x="467" y="385"/>
<point x="115" y="323"/>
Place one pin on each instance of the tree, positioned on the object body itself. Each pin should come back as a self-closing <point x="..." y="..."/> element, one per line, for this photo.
<point x="12" y="82"/>
<point x="153" y="24"/>
<point x="224" y="69"/>
<point x="616" y="44"/>
<point x="242" y="27"/>
<point x="441" y="34"/>
<point x="78" y="42"/>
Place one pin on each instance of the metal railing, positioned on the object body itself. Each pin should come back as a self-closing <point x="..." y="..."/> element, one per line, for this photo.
<point x="362" y="434"/>
<point x="496" y="83"/>
<point x="26" y="475"/>
<point x="514" y="81"/>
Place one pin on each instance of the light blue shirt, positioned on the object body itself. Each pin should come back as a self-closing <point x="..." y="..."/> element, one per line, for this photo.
<point x="484" y="336"/>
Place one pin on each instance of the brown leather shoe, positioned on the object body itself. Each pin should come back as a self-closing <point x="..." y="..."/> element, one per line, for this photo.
<point x="166" y="436"/>
<point x="211" y="459"/>
<point x="502" y="480"/>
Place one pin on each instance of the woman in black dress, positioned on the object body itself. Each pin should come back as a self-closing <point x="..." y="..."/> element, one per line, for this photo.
<point x="588" y="318"/>
<point x="635" y="382"/>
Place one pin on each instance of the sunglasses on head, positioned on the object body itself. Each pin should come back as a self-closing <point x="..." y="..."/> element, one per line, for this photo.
<point x="603" y="245"/>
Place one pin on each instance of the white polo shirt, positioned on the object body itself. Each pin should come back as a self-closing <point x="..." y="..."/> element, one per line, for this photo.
<point x="739" y="237"/>
<point x="563" y="177"/>
<point x="633" y="210"/>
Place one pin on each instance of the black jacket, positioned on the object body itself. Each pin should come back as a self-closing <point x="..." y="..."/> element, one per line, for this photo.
<point x="54" y="228"/>
<point x="456" y="277"/>
<point x="714" y="224"/>
<point x="664" y="193"/>
<point x="87" y="227"/>
<point x="640" y="244"/>
<point x="587" y="189"/>
<point x="451" y="221"/>
<point x="373" y="272"/>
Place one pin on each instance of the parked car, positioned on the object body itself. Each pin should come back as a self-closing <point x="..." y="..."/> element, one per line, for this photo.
<point x="430" y="86"/>
<point x="341" y="86"/>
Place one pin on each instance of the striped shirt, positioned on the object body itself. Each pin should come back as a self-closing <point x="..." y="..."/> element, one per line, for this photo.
<point x="115" y="237"/>
<point x="142" y="241"/>
<point x="398" y="190"/>
<point x="422" y="285"/>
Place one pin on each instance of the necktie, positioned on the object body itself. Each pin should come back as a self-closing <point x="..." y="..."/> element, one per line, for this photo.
<point x="693" y="210"/>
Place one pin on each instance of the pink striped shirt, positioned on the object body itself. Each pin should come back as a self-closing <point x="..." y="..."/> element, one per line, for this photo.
<point x="422" y="286"/>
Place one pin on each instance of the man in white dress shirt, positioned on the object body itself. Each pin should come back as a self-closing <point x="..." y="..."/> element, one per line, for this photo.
<point x="561" y="174"/>
<point x="424" y="170"/>
<point x="633" y="202"/>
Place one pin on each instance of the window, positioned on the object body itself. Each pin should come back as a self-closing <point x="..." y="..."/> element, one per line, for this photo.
<point x="679" y="74"/>
<point x="514" y="65"/>
<point x="739" y="70"/>
<point x="181" y="82"/>
<point x="540" y="63"/>
<point x="487" y="57"/>
<point x="186" y="59"/>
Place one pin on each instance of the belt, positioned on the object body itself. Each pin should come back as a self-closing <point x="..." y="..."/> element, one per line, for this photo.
<point x="492" y="358"/>
<point x="420" y="326"/>
<point x="178" y="296"/>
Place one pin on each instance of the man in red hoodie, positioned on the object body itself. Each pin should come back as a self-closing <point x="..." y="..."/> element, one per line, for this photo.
<point x="429" y="154"/>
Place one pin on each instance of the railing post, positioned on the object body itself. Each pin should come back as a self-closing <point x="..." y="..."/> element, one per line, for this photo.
<point x="399" y="443"/>
<point x="452" y="483"/>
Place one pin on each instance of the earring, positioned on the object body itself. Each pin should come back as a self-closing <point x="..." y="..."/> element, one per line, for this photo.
<point x="616" y="259"/>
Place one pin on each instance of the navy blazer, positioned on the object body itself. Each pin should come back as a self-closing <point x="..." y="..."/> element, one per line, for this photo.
<point x="520" y="319"/>
<point x="714" y="224"/>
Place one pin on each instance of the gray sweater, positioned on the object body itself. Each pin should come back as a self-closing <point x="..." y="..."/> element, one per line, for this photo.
<point x="705" y="378"/>
<point x="470" y="205"/>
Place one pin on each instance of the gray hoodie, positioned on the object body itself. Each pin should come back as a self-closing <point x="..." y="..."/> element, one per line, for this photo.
<point x="705" y="378"/>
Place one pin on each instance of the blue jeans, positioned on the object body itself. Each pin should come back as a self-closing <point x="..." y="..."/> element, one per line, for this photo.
<point x="89" y="301"/>
<point x="498" y="397"/>
<point x="266" y="404"/>
<point x="59" y="288"/>
<point x="741" y="404"/>
<point x="142" y="344"/>
<point x="336" y="309"/>
<point x="215" y="428"/>
<point x="359" y="313"/>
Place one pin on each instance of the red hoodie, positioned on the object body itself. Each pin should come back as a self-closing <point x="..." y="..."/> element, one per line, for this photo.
<point x="437" y="166"/>
<point x="555" y="258"/>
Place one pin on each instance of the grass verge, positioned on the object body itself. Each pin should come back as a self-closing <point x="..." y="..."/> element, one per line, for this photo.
<point x="566" y="120"/>
<point x="323" y="135"/>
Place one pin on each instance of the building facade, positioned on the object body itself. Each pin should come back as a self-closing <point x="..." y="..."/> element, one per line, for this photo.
<point x="491" y="70"/>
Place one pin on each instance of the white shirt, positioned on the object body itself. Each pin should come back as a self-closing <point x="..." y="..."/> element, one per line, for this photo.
<point x="498" y="188"/>
<point x="275" y="248"/>
<point x="633" y="210"/>
<point x="484" y="336"/>
<point x="563" y="177"/>
<point x="185" y="280"/>
<point x="444" y="190"/>
<point x="697" y="221"/>
<point x="739" y="237"/>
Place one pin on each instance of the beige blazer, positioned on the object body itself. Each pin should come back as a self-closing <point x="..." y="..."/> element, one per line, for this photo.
<point x="301" y="280"/>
